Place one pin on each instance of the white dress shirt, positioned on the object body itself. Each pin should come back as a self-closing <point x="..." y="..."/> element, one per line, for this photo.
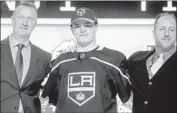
<point x="26" y="53"/>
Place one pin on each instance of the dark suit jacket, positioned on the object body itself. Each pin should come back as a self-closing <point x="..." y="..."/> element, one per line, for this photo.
<point x="11" y="93"/>
<point x="157" y="95"/>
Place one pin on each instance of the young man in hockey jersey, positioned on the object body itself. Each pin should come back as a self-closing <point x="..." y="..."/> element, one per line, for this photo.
<point x="89" y="79"/>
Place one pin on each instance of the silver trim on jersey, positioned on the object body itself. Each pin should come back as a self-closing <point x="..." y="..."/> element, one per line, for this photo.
<point x="68" y="60"/>
<point x="117" y="68"/>
<point x="46" y="78"/>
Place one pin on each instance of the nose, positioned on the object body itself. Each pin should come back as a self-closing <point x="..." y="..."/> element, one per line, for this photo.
<point x="166" y="33"/>
<point x="82" y="29"/>
<point x="25" y="22"/>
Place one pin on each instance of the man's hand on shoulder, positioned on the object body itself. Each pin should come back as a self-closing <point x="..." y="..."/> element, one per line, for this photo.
<point x="63" y="47"/>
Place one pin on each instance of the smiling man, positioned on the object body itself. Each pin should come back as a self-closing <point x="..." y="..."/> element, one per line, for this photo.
<point x="23" y="65"/>
<point x="89" y="79"/>
<point x="153" y="74"/>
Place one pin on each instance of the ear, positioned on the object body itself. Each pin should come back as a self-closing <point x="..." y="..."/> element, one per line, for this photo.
<point x="35" y="23"/>
<point x="153" y="34"/>
<point x="12" y="20"/>
<point x="72" y="30"/>
<point x="154" y="37"/>
<point x="96" y="27"/>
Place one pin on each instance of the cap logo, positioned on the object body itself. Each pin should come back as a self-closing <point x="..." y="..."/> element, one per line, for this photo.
<point x="81" y="12"/>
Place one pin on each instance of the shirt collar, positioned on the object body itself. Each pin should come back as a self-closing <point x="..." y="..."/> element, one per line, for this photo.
<point x="166" y="55"/>
<point x="14" y="42"/>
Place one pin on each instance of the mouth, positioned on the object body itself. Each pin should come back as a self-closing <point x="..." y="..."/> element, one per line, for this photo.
<point x="24" y="28"/>
<point x="166" y="38"/>
<point x="83" y="35"/>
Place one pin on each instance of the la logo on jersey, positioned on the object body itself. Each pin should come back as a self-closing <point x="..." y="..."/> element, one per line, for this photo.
<point x="81" y="87"/>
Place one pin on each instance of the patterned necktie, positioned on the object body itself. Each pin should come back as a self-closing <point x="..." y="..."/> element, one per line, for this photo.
<point x="19" y="63"/>
<point x="157" y="64"/>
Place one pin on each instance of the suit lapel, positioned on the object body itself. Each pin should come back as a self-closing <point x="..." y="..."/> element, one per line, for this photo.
<point x="167" y="64"/>
<point x="8" y="62"/>
<point x="144" y="65"/>
<point x="32" y="67"/>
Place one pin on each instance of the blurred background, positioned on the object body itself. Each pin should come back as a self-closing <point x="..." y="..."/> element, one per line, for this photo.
<point x="125" y="26"/>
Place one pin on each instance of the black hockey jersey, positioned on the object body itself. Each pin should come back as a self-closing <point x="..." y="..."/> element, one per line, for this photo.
<point x="88" y="82"/>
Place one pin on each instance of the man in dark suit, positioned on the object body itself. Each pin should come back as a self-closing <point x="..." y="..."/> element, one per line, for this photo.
<point x="23" y="65"/>
<point x="153" y="74"/>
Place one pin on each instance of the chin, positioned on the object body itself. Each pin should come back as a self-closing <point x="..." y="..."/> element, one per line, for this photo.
<point x="85" y="37"/>
<point x="167" y="47"/>
<point x="84" y="43"/>
<point x="23" y="34"/>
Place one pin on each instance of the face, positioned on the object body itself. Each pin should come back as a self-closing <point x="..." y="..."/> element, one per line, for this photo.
<point x="84" y="32"/>
<point x="165" y="32"/>
<point x="23" y="21"/>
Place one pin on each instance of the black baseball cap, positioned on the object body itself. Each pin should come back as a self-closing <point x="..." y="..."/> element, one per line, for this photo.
<point x="84" y="14"/>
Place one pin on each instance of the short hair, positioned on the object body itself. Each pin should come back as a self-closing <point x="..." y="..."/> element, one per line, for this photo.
<point x="27" y="4"/>
<point x="161" y="15"/>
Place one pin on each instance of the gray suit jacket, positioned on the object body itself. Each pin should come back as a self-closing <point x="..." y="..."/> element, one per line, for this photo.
<point x="11" y="93"/>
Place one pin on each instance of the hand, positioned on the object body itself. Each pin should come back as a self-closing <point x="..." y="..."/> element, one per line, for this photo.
<point x="129" y="103"/>
<point x="44" y="101"/>
<point x="63" y="47"/>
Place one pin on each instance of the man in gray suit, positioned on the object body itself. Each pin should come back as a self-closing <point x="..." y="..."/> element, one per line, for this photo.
<point x="23" y="65"/>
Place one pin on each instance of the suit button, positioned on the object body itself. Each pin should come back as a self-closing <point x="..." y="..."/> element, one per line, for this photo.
<point x="16" y="108"/>
<point x="149" y="83"/>
<point x="145" y="102"/>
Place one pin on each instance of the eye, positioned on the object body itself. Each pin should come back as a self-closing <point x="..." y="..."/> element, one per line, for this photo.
<point x="88" y="25"/>
<point x="30" y="19"/>
<point x="171" y="29"/>
<point x="161" y="29"/>
<point x="77" y="26"/>
<point x="20" y="17"/>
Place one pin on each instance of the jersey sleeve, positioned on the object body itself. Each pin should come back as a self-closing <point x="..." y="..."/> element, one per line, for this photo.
<point x="120" y="78"/>
<point x="51" y="87"/>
